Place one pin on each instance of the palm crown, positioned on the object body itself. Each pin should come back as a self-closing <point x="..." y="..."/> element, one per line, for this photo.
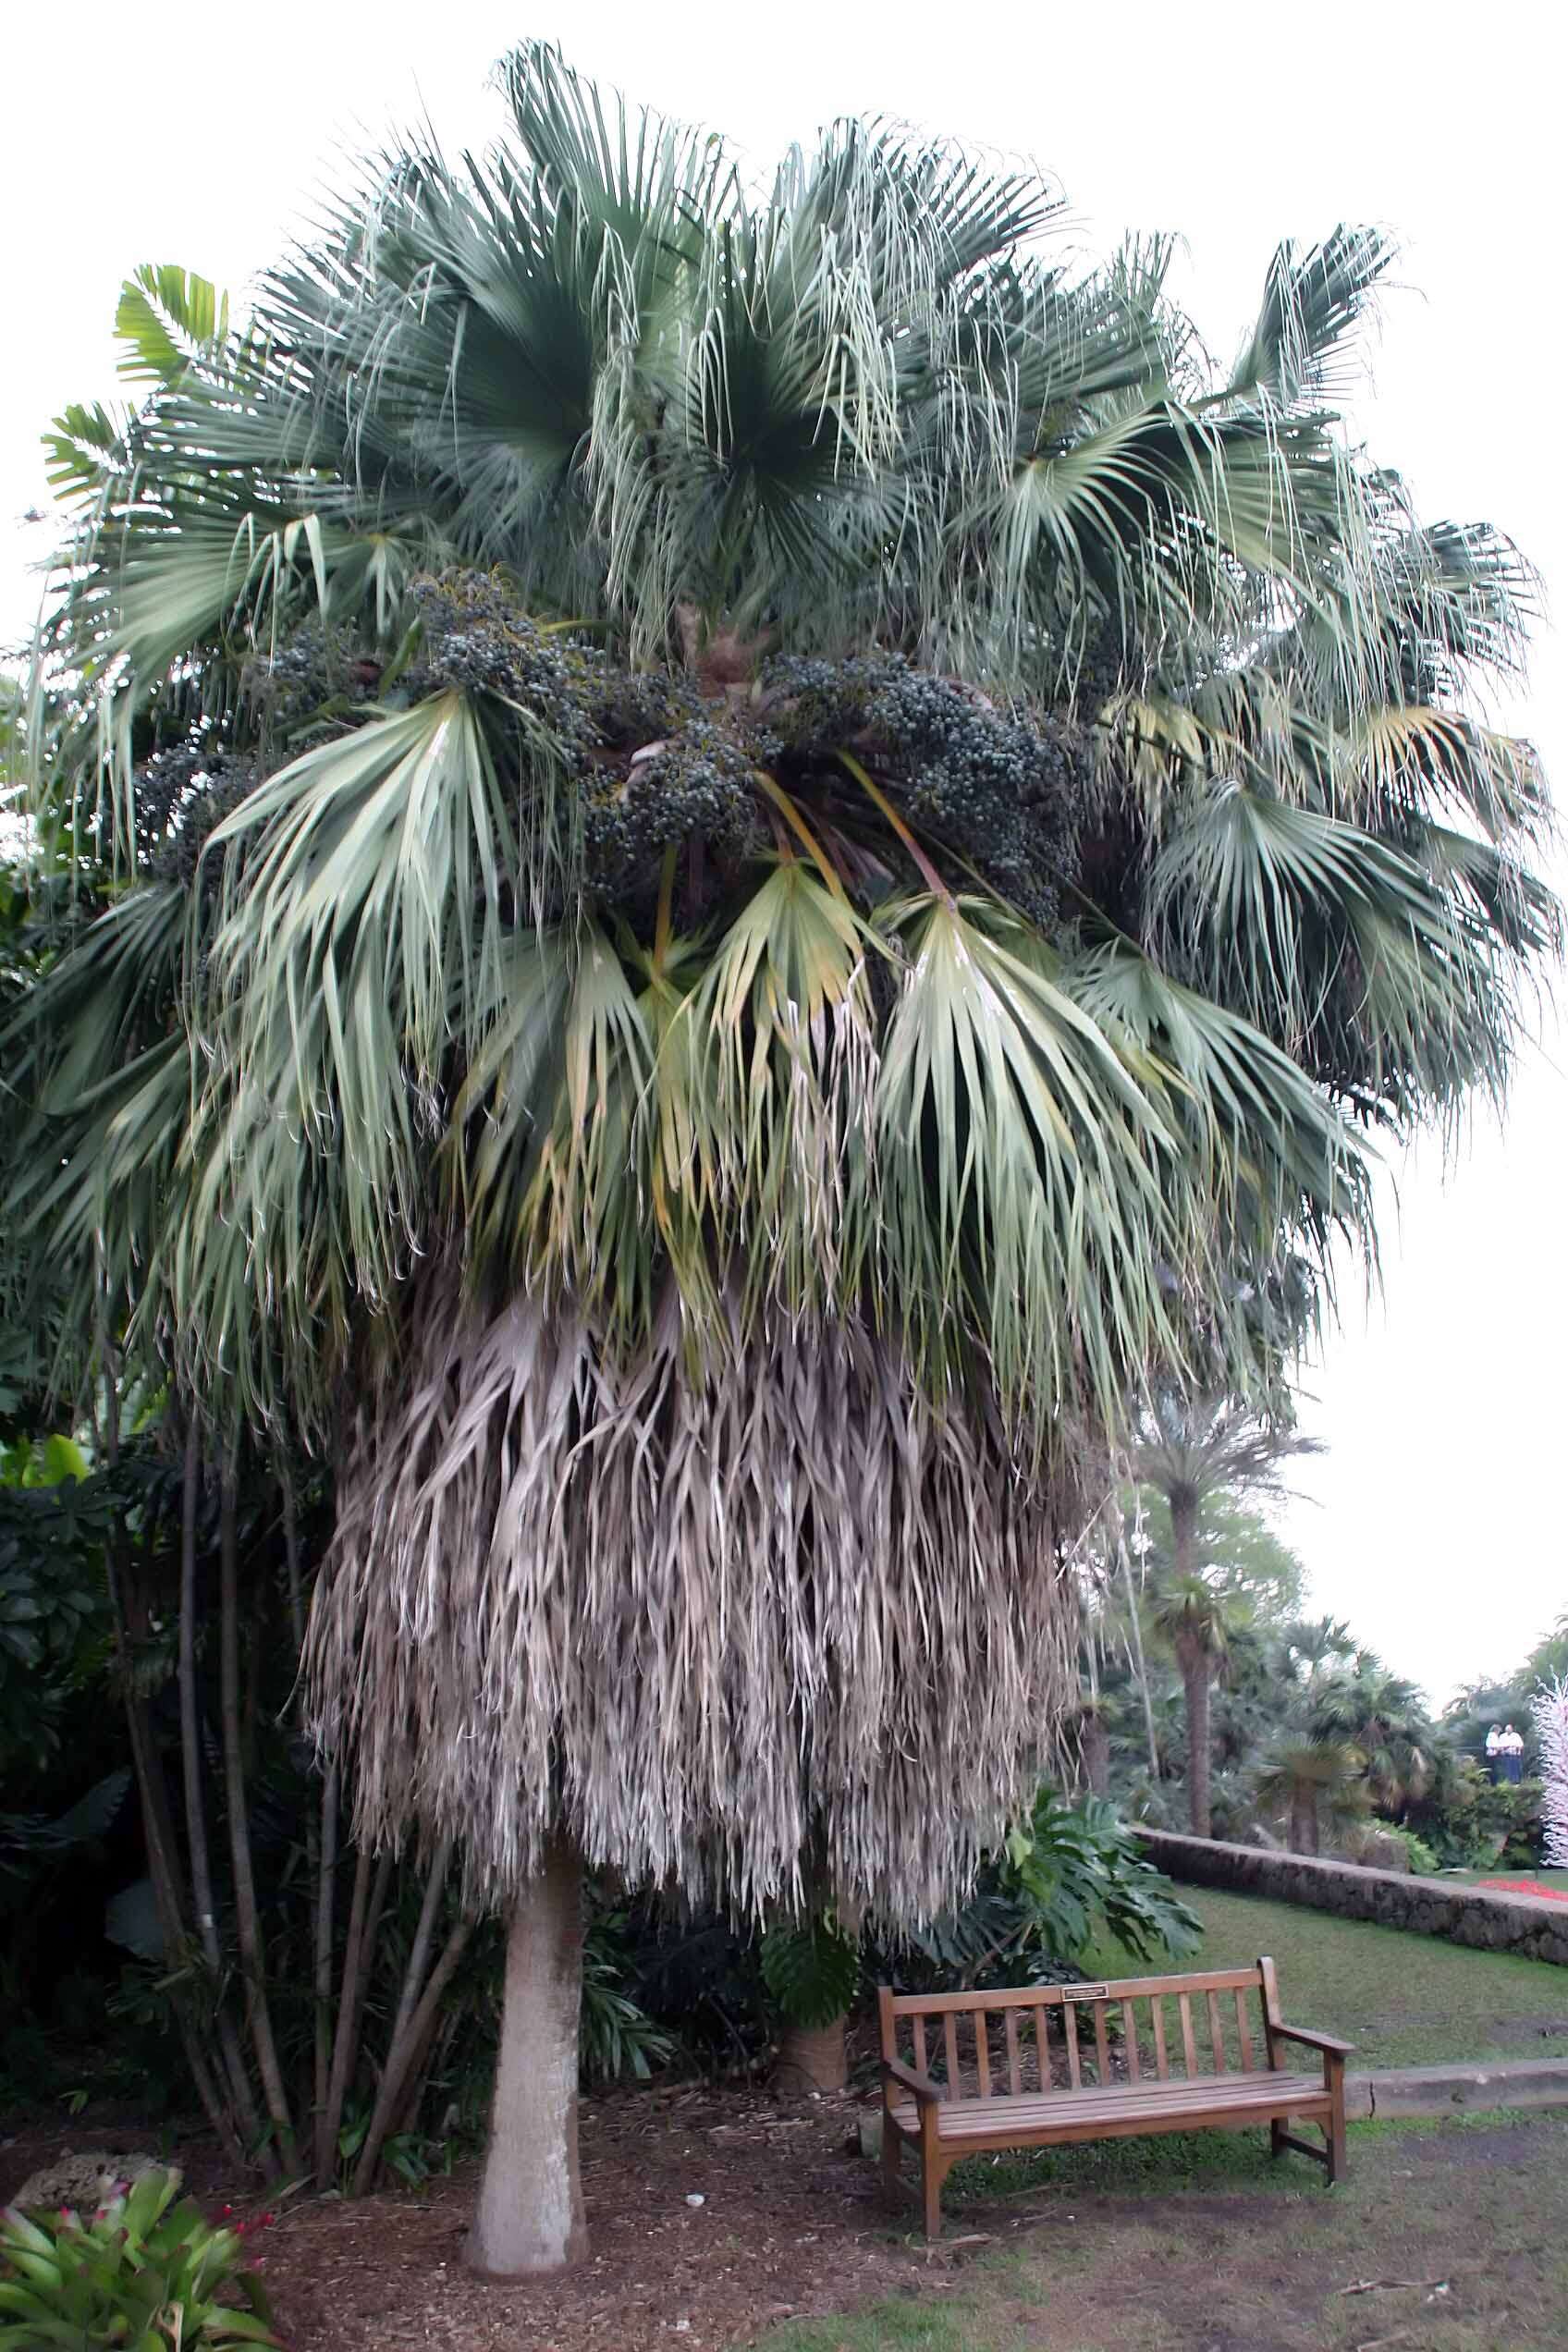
<point x="768" y="827"/>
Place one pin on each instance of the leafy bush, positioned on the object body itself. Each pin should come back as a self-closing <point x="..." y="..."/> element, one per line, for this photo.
<point x="1041" y="1899"/>
<point x="811" y="1968"/>
<point x="145" y="2273"/>
<point x="1423" y="1861"/>
<point x="616" y="2038"/>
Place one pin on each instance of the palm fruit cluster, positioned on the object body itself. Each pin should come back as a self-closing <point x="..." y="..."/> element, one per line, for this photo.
<point x="641" y="761"/>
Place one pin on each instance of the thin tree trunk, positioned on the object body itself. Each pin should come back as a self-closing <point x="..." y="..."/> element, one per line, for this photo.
<point x="530" y="2216"/>
<point x="232" y="2056"/>
<point x="1194" y="1673"/>
<point x="151" y="1789"/>
<point x="395" y="2068"/>
<point x="321" y="1856"/>
<point x="409" y="2046"/>
<point x="365" y="1917"/>
<point x="326" y="1918"/>
<point x="252" y="1960"/>
<point x="414" y="1973"/>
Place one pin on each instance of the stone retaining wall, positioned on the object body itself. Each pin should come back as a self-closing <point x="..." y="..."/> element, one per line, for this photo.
<point x="1538" y="1930"/>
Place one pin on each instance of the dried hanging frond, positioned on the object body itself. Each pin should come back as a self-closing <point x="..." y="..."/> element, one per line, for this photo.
<point x="713" y="1621"/>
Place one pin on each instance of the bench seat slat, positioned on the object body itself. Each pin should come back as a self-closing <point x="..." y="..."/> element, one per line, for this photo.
<point x="1006" y="2122"/>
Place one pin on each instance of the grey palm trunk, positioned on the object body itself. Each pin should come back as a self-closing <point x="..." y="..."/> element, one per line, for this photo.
<point x="530" y="2216"/>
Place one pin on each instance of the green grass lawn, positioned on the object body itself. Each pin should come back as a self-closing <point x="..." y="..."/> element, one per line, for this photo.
<point x="1446" y="2237"/>
<point x="1403" y="1999"/>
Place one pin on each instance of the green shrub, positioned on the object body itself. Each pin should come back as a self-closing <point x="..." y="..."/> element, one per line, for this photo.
<point x="1424" y="1862"/>
<point x="811" y="1968"/>
<point x="616" y="2038"/>
<point x="1041" y="1899"/>
<point x="143" y="2273"/>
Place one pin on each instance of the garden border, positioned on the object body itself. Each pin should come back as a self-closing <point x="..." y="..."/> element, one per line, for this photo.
<point x="1472" y="1915"/>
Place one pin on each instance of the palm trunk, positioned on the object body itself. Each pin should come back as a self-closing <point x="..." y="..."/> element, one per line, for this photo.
<point x="1195" y="1674"/>
<point x="529" y="2217"/>
<point x="1194" y="1668"/>
<point x="1303" y="1820"/>
<point x="812" y="2058"/>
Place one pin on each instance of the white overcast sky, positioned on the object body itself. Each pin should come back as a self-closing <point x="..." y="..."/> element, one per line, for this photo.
<point x="196" y="134"/>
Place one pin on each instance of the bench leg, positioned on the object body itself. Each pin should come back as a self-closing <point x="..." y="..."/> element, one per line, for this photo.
<point x="1277" y="2141"/>
<point x="933" y="2171"/>
<point x="892" y="2150"/>
<point x="1334" y="2129"/>
<point x="931" y="2176"/>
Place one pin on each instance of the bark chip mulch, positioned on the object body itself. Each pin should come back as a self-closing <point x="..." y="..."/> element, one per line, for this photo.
<point x="790" y="2224"/>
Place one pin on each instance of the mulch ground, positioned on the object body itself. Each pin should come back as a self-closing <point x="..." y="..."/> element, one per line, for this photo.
<point x="789" y="2224"/>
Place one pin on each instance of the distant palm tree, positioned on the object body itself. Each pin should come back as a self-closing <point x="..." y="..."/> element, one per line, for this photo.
<point x="1385" y="1718"/>
<point x="1190" y="1447"/>
<point x="1315" y="1643"/>
<point x="1199" y="1622"/>
<point x="1304" y="1775"/>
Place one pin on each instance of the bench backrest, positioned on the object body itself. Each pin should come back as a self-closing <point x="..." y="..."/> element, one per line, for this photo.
<point x="1048" y="2038"/>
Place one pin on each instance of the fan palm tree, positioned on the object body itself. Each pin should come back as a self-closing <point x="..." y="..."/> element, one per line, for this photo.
<point x="766" y="852"/>
<point x="1303" y="1776"/>
<point x="1200" y="1623"/>
<point x="1385" y="1718"/>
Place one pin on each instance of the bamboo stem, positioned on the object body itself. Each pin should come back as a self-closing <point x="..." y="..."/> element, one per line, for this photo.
<point x="406" y="2052"/>
<point x="251" y="1956"/>
<point x="365" y="1914"/>
<point x="195" y="1810"/>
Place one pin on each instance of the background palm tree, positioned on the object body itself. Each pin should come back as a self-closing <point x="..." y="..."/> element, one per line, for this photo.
<point x="767" y="831"/>
<point x="1385" y="1719"/>
<point x="1199" y="1622"/>
<point x="1304" y="1777"/>
<point x="1191" y="1449"/>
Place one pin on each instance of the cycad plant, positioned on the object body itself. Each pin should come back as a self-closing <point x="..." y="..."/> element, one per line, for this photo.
<point x="768" y="849"/>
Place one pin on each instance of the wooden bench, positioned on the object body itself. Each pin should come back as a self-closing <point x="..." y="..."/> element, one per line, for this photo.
<point x="1046" y="2064"/>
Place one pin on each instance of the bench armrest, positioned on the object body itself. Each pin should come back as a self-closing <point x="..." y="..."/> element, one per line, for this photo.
<point x="925" y="2092"/>
<point x="1329" y="2044"/>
